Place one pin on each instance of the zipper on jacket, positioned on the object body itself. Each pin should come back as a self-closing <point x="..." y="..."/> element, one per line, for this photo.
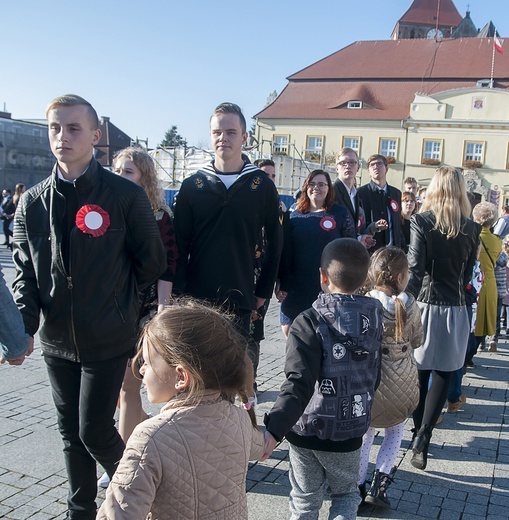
<point x="70" y="284"/>
<point x="118" y="307"/>
<point x="68" y="275"/>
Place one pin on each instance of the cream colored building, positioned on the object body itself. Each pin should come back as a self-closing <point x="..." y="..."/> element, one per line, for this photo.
<point x="421" y="102"/>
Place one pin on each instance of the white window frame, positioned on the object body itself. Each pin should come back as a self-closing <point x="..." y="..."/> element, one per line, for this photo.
<point x="280" y="148"/>
<point x="474" y="151"/>
<point x="354" y="105"/>
<point x="315" y="150"/>
<point x="347" y="142"/>
<point x="432" y="149"/>
<point x="390" y="149"/>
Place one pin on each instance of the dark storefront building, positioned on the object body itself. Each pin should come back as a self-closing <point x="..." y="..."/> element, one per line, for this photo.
<point x="25" y="154"/>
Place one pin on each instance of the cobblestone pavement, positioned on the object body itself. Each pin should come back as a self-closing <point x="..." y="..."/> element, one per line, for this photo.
<point x="468" y="468"/>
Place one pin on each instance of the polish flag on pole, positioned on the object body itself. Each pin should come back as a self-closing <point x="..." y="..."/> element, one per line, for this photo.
<point x="498" y="45"/>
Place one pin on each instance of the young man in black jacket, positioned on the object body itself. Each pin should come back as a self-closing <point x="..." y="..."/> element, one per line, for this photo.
<point x="219" y="215"/>
<point x="382" y="204"/>
<point x="85" y="243"/>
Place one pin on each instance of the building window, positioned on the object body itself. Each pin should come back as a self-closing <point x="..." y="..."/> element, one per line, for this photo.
<point x="473" y="156"/>
<point x="353" y="143"/>
<point x="314" y="148"/>
<point x="507" y="158"/>
<point x="280" y="144"/>
<point x="388" y="147"/>
<point x="37" y="132"/>
<point x="431" y="152"/>
<point x="357" y="105"/>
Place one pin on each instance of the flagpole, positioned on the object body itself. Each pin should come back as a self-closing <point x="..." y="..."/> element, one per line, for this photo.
<point x="493" y="60"/>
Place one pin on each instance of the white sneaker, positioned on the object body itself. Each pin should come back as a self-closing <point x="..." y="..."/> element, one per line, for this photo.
<point x="104" y="481"/>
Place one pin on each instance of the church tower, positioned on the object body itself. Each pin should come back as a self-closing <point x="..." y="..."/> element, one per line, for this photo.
<point x="423" y="17"/>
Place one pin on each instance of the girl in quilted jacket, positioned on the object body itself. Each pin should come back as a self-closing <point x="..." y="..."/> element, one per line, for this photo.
<point x="191" y="460"/>
<point x="398" y="393"/>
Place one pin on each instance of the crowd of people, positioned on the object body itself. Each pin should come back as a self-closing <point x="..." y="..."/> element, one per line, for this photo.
<point x="378" y="292"/>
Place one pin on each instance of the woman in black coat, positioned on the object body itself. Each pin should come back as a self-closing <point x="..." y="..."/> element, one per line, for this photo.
<point x="441" y="256"/>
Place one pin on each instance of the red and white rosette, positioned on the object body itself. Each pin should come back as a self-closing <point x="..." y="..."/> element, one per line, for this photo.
<point x="394" y="206"/>
<point x="92" y="220"/>
<point x="327" y="223"/>
<point x="360" y="223"/>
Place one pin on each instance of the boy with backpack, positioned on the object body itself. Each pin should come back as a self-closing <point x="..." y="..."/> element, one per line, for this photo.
<point x="332" y="370"/>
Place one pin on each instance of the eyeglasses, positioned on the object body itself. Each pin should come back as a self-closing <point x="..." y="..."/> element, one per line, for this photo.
<point x="320" y="185"/>
<point x="377" y="163"/>
<point x="347" y="163"/>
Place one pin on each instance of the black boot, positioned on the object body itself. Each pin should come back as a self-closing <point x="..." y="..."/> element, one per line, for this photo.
<point x="363" y="492"/>
<point x="420" y="448"/>
<point x="377" y="494"/>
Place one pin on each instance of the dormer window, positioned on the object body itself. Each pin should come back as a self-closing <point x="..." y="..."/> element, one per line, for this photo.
<point x="357" y="105"/>
<point x="484" y="83"/>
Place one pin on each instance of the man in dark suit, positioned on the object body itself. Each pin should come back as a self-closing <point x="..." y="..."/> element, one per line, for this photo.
<point x="382" y="202"/>
<point x="345" y="194"/>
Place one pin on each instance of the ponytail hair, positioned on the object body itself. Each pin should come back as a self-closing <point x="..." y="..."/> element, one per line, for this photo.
<point x="386" y="264"/>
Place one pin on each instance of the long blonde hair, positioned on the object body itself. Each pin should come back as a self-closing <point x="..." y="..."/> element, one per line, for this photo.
<point x="446" y="197"/>
<point x="148" y="181"/>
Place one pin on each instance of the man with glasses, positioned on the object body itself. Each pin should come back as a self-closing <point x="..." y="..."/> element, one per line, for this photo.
<point x="382" y="205"/>
<point x="345" y="191"/>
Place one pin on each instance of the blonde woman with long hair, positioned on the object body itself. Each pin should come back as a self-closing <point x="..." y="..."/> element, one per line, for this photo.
<point x="136" y="165"/>
<point x="441" y="256"/>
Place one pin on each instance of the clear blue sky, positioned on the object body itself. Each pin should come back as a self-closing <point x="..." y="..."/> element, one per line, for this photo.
<point x="156" y="63"/>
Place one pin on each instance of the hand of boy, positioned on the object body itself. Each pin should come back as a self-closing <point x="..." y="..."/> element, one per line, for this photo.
<point x="270" y="444"/>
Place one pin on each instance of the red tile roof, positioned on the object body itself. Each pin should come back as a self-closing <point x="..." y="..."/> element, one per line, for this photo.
<point x="409" y="58"/>
<point x="388" y="100"/>
<point x="386" y="75"/>
<point x="425" y="12"/>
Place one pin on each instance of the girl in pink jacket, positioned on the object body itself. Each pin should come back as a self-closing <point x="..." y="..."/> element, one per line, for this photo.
<point x="191" y="460"/>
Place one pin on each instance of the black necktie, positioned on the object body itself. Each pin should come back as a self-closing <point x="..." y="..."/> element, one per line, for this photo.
<point x="385" y="203"/>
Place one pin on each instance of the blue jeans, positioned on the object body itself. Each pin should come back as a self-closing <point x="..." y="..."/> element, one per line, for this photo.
<point x="85" y="396"/>
<point x="455" y="387"/>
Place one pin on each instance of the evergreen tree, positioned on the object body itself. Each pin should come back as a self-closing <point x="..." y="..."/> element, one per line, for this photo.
<point x="172" y="138"/>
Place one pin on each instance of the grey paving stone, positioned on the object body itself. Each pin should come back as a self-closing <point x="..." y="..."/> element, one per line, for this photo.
<point x="500" y="499"/>
<point x="55" y="508"/>
<point x="497" y="510"/>
<point x="454" y="505"/>
<point x="449" y="514"/>
<point x="22" y="513"/>
<point x="6" y="490"/>
<point x="52" y="481"/>
<point x="432" y="500"/>
<point x="422" y="489"/>
<point x="35" y="490"/>
<point x="41" y="501"/>
<point x="408" y="507"/>
<point x="438" y="491"/>
<point x="475" y="509"/>
<point x="4" y="510"/>
<point x="475" y="498"/>
<point x="42" y="516"/>
<point x="428" y="511"/>
<point x="457" y="495"/>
